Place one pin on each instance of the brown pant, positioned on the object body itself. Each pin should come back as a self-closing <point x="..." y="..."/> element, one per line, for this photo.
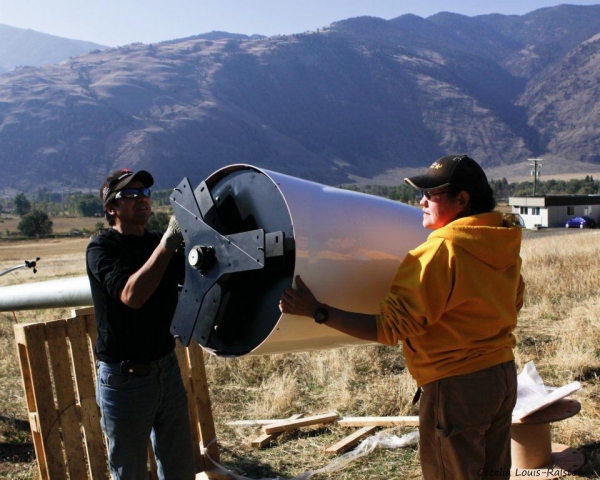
<point x="464" y="424"/>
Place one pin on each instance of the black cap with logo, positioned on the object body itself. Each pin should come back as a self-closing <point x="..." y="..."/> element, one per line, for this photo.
<point x="119" y="179"/>
<point x="456" y="171"/>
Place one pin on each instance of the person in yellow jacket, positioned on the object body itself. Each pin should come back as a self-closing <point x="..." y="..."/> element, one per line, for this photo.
<point x="453" y="304"/>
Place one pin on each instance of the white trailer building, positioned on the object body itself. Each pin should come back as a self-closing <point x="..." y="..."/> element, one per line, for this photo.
<point x="554" y="210"/>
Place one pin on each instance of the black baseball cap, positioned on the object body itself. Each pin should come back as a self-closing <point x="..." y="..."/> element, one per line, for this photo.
<point x="456" y="171"/>
<point x="119" y="179"/>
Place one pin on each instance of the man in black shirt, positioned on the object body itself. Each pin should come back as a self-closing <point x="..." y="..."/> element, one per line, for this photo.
<point x="134" y="277"/>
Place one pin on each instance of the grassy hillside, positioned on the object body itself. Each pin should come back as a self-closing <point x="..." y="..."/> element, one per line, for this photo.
<point x="357" y="99"/>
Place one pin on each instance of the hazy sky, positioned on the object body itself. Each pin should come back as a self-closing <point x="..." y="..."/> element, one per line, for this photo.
<point x="119" y="22"/>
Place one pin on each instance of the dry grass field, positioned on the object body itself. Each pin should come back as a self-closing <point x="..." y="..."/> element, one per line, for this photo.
<point x="559" y="329"/>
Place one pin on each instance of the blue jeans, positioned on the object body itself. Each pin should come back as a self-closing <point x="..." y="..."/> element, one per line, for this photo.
<point x="137" y="408"/>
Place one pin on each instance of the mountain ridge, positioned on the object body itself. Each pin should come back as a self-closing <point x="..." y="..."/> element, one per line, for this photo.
<point x="25" y="47"/>
<point x="356" y="100"/>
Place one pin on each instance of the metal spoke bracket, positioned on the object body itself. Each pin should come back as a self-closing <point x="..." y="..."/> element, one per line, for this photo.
<point x="211" y="260"/>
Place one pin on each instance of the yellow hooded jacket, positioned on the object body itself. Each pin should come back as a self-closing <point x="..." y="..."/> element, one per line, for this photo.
<point x="455" y="298"/>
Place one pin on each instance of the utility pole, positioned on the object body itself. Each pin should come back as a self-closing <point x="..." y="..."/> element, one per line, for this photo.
<point x="535" y="172"/>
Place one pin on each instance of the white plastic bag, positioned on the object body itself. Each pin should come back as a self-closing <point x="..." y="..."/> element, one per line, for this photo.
<point x="533" y="395"/>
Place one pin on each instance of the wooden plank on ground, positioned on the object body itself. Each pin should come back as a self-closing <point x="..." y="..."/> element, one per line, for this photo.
<point x="56" y="333"/>
<point x="84" y="368"/>
<point x="351" y="440"/>
<point x="267" y="438"/>
<point x="241" y="423"/>
<point x="408" y="421"/>
<point x="289" y="425"/>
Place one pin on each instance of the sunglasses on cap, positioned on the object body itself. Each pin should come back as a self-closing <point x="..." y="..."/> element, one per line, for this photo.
<point x="428" y="193"/>
<point x="133" y="193"/>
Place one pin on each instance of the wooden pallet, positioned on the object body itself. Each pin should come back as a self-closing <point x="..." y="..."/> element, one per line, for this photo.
<point x="58" y="370"/>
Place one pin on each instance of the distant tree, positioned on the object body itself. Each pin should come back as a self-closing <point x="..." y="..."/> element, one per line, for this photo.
<point x="21" y="205"/>
<point x="41" y="194"/>
<point x="90" y="205"/>
<point x="158" y="221"/>
<point x="161" y="198"/>
<point x="35" y="224"/>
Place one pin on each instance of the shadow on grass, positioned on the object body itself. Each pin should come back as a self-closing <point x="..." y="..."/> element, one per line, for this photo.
<point x="18" y="448"/>
<point x="248" y="466"/>
<point x="591" y="467"/>
<point x="16" y="452"/>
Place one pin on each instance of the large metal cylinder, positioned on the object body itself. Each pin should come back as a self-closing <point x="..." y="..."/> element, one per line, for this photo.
<point x="248" y="233"/>
<point x="345" y="245"/>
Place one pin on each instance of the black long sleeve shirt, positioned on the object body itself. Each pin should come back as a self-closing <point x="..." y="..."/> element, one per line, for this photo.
<point x="124" y="333"/>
